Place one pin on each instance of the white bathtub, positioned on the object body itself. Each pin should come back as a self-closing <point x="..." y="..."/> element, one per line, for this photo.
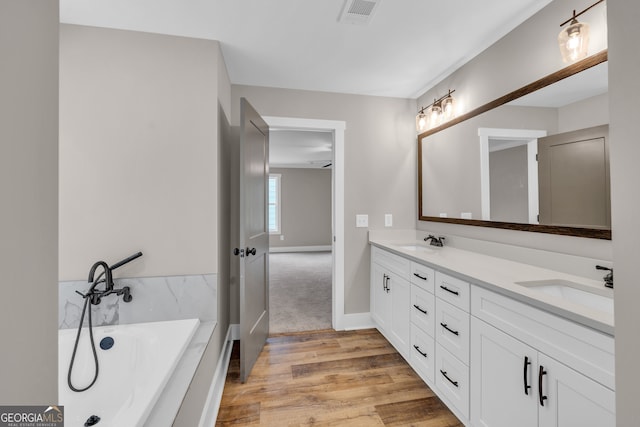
<point x="132" y="374"/>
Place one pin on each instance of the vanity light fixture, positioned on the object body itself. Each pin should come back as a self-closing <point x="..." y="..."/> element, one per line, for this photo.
<point x="434" y="114"/>
<point x="574" y="39"/>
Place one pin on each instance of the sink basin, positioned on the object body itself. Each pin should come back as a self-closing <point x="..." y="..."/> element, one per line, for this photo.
<point x="576" y="293"/>
<point x="417" y="248"/>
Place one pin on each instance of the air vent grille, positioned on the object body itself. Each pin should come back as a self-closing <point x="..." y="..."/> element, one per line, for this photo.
<point x="358" y="11"/>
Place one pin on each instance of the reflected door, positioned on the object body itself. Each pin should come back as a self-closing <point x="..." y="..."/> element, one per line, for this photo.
<point x="573" y="172"/>
<point x="254" y="237"/>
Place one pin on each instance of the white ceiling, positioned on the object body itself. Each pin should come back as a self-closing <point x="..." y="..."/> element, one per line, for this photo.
<point x="408" y="46"/>
<point x="300" y="149"/>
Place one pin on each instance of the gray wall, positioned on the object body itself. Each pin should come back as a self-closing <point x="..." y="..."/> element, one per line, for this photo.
<point x="590" y="112"/>
<point x="521" y="57"/>
<point x="144" y="158"/>
<point x="305" y="207"/>
<point x="138" y="152"/>
<point x="509" y="187"/>
<point x="29" y="191"/>
<point x="380" y="164"/>
<point x="624" y="92"/>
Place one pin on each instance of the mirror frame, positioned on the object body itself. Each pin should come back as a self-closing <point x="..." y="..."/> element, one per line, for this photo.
<point x="568" y="71"/>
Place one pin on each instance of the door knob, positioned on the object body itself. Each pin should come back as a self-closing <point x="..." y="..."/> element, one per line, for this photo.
<point x="237" y="252"/>
<point x="251" y="251"/>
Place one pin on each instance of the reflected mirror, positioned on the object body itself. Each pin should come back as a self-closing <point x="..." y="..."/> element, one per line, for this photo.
<point x="535" y="160"/>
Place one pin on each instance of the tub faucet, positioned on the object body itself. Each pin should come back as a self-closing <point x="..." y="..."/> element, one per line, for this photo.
<point x="608" y="278"/>
<point x="435" y="241"/>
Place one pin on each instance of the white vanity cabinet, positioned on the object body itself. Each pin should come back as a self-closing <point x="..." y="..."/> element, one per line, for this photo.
<point x="390" y="296"/>
<point x="513" y="383"/>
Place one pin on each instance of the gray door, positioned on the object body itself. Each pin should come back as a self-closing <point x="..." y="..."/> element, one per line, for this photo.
<point x="573" y="175"/>
<point x="254" y="236"/>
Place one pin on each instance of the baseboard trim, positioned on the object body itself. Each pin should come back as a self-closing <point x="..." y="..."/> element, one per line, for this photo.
<point x="325" y="248"/>
<point x="212" y="404"/>
<point x="234" y="328"/>
<point x="351" y="322"/>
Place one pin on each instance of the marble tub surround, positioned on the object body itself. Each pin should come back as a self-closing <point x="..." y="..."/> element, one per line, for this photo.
<point x="154" y="299"/>
<point x="502" y="275"/>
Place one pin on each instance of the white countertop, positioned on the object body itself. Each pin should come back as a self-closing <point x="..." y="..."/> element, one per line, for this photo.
<point x="500" y="275"/>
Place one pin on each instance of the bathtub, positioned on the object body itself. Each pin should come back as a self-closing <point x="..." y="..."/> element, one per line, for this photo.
<point x="133" y="372"/>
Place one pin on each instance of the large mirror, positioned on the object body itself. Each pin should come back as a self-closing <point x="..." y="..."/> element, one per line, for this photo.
<point x="535" y="160"/>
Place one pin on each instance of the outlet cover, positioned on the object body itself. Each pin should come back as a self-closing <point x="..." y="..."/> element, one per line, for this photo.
<point x="388" y="220"/>
<point x="282" y="237"/>
<point x="362" y="220"/>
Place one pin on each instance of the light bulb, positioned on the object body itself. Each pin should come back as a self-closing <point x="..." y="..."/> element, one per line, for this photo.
<point x="448" y="107"/>
<point x="421" y="121"/>
<point x="574" y="41"/>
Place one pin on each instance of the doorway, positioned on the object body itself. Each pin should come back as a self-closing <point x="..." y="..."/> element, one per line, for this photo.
<point x="330" y="158"/>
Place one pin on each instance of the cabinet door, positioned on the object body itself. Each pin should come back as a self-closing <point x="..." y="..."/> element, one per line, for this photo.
<point x="400" y="291"/>
<point x="501" y="368"/>
<point x="380" y="297"/>
<point x="570" y="399"/>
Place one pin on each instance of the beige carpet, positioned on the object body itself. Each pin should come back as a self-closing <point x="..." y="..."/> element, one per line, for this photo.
<point x="299" y="291"/>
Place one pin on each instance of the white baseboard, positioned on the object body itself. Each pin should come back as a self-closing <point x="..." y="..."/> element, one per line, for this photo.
<point x="355" y="321"/>
<point x="212" y="404"/>
<point x="326" y="248"/>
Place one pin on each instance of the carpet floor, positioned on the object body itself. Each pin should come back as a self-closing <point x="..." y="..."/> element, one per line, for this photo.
<point x="299" y="291"/>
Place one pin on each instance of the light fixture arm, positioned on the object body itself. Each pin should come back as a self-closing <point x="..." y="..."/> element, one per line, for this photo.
<point x="439" y="100"/>
<point x="575" y="15"/>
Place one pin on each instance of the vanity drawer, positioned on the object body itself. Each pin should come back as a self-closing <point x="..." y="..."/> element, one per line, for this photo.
<point x="452" y="290"/>
<point x="585" y="350"/>
<point x="452" y="380"/>
<point x="423" y="276"/>
<point x="422" y="309"/>
<point x="397" y="264"/>
<point x="452" y="330"/>
<point x="423" y="355"/>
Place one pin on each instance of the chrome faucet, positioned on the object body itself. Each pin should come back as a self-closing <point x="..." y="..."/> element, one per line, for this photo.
<point x="608" y="278"/>
<point x="435" y="241"/>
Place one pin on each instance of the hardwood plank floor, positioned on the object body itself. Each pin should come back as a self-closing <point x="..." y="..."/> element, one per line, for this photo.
<point x="329" y="378"/>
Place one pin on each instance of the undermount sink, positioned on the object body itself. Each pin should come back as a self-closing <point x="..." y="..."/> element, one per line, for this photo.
<point x="576" y="293"/>
<point x="417" y="248"/>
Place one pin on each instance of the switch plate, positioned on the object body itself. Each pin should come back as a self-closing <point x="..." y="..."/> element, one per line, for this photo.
<point x="388" y="220"/>
<point x="362" y="220"/>
<point x="466" y="215"/>
<point x="282" y="237"/>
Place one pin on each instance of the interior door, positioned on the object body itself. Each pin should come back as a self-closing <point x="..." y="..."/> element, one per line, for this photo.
<point x="254" y="237"/>
<point x="573" y="173"/>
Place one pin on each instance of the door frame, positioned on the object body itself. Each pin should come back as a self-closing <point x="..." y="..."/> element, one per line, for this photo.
<point x="337" y="209"/>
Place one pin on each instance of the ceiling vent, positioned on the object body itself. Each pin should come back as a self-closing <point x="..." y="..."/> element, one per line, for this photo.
<point x="358" y="12"/>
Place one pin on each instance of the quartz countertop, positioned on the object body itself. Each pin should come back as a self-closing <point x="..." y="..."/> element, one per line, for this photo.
<point x="501" y="276"/>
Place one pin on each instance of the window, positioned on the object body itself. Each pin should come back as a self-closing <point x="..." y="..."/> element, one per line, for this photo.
<point x="274" y="203"/>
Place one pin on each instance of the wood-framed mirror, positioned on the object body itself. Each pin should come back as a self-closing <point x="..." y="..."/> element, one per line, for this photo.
<point x="482" y="168"/>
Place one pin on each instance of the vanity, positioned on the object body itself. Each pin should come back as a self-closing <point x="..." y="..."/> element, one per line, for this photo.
<point x="502" y="343"/>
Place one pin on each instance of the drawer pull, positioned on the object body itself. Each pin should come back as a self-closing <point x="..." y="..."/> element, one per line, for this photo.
<point x="444" y="325"/>
<point x="541" y="373"/>
<point x="418" y="350"/>
<point x="526" y="370"/>
<point x="419" y="276"/>
<point x="386" y="283"/>
<point x="444" y="374"/>
<point x="417" y="307"/>
<point x="444" y="288"/>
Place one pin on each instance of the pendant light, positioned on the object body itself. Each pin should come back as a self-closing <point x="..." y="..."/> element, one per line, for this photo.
<point x="574" y="39"/>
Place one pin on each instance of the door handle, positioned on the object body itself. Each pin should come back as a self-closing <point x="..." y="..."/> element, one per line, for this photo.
<point x="387" y="284"/>
<point x="417" y="307"/>
<point x="526" y="370"/>
<point x="444" y="288"/>
<point x="237" y="252"/>
<point x="541" y="395"/>
<point x="251" y="251"/>
<point x="418" y="350"/>
<point x="384" y="282"/>
<point x="419" y="276"/>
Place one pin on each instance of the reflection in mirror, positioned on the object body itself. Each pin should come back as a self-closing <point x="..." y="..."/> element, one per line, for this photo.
<point x="539" y="160"/>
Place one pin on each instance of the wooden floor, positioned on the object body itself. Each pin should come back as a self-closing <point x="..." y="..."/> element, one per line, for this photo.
<point x="329" y="378"/>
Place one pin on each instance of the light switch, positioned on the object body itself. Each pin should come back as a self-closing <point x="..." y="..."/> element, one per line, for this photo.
<point x="362" y="220"/>
<point x="388" y="220"/>
<point x="282" y="237"/>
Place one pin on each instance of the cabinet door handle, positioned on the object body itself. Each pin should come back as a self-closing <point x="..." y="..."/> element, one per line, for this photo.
<point x="444" y="374"/>
<point x="541" y="395"/>
<point x="417" y="307"/>
<point x="526" y="371"/>
<point x="444" y="288"/>
<point x="384" y="282"/>
<point x="419" y="276"/>
<point x="444" y="325"/>
<point x="387" y="284"/>
<point x="418" y="350"/>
